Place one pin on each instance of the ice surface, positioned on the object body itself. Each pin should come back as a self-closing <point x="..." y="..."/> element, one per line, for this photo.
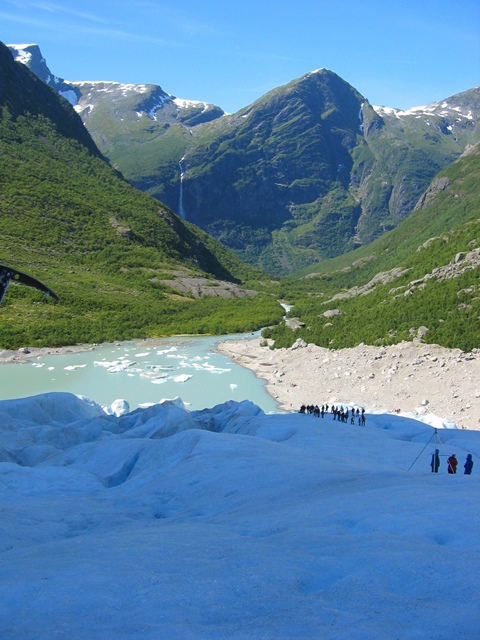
<point x="229" y="523"/>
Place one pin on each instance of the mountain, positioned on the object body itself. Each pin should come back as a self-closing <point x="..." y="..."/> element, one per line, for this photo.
<point x="307" y="172"/>
<point x="122" y="263"/>
<point x="419" y="281"/>
<point x="31" y="56"/>
<point x="23" y="93"/>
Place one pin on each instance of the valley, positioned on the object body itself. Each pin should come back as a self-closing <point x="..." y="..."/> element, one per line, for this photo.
<point x="365" y="219"/>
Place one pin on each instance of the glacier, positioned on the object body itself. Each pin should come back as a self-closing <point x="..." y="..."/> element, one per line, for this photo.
<point x="227" y="522"/>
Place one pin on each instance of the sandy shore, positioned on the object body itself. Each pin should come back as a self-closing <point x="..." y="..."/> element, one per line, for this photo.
<point x="24" y="355"/>
<point x="21" y="356"/>
<point x="409" y="377"/>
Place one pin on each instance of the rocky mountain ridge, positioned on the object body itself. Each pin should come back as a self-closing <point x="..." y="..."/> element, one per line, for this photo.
<point x="84" y="95"/>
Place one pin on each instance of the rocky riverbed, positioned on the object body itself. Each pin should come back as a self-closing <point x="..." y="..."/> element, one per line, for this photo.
<point x="20" y="356"/>
<point x="410" y="377"/>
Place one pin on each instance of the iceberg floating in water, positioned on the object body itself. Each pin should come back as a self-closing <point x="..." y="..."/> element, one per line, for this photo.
<point x="182" y="378"/>
<point x="122" y="366"/>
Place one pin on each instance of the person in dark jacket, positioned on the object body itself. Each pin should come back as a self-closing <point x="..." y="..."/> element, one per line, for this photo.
<point x="435" y="463"/>
<point x="452" y="463"/>
<point x="468" y="465"/>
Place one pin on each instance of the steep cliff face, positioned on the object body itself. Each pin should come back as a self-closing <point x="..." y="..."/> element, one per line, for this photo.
<point x="22" y="92"/>
<point x="31" y="56"/>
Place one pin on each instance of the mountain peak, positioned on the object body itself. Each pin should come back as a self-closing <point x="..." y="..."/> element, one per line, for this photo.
<point x="321" y="70"/>
<point x="31" y="56"/>
<point x="25" y="52"/>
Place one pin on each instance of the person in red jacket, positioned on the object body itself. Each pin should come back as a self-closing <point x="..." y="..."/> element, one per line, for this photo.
<point x="452" y="464"/>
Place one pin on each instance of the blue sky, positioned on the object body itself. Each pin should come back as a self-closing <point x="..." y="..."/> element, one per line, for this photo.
<point x="398" y="54"/>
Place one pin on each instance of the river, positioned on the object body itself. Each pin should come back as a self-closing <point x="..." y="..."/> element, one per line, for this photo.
<point x="142" y="373"/>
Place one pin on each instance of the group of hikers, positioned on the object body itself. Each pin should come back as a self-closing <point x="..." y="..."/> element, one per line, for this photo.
<point x="354" y="416"/>
<point x="339" y="413"/>
<point x="452" y="463"/>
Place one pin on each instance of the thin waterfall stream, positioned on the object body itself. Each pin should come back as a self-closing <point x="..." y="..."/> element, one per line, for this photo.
<point x="181" y="210"/>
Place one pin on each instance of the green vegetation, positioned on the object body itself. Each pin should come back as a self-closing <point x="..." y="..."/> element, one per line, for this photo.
<point x="105" y="248"/>
<point x="110" y="251"/>
<point x="307" y="172"/>
<point x="430" y="242"/>
<point x="452" y="318"/>
<point x="92" y="311"/>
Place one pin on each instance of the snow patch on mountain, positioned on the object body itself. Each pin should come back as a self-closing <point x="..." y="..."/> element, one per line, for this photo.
<point x="21" y="52"/>
<point x="108" y="86"/>
<point x="162" y="100"/>
<point x="188" y="104"/>
<point x="433" y="109"/>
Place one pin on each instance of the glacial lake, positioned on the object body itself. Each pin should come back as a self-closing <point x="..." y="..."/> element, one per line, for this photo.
<point x="142" y="373"/>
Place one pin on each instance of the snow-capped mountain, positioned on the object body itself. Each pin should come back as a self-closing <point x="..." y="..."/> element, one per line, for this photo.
<point x="133" y="102"/>
<point x="31" y="56"/>
<point x="457" y="115"/>
<point x="145" y="100"/>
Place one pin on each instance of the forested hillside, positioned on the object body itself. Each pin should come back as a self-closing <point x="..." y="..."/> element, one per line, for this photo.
<point x="309" y="171"/>
<point x="419" y="281"/>
<point x="110" y="252"/>
<point x="125" y="266"/>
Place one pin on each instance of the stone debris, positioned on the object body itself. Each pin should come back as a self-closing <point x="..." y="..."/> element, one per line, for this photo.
<point x="410" y="377"/>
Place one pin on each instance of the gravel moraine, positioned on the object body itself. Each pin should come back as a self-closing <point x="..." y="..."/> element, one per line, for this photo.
<point x="410" y="377"/>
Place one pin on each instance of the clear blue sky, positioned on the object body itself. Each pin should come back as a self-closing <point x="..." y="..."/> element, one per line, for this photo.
<point x="398" y="54"/>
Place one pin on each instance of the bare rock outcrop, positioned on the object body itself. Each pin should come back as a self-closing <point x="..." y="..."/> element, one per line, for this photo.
<point x="437" y="185"/>
<point x="199" y="287"/>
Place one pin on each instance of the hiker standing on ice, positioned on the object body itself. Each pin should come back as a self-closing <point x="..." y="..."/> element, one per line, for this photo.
<point x="468" y="465"/>
<point x="452" y="464"/>
<point x="435" y="463"/>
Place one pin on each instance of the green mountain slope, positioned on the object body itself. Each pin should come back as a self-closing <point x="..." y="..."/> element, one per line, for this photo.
<point x="421" y="279"/>
<point x="113" y="254"/>
<point x="308" y="172"/>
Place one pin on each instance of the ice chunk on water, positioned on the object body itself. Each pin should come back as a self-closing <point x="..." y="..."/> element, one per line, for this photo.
<point x="182" y="378"/>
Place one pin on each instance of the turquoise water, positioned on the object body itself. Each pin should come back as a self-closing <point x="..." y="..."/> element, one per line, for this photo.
<point x="141" y="373"/>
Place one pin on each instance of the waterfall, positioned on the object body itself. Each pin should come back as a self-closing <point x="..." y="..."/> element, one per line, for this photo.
<point x="181" y="210"/>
